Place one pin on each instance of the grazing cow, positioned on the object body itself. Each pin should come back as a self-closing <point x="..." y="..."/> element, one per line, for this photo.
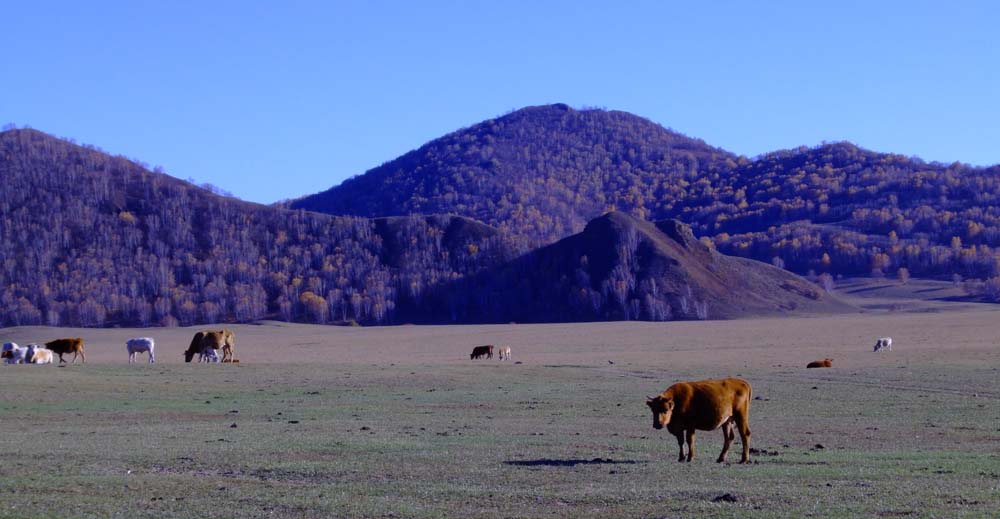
<point x="66" y="346"/>
<point x="504" y="353"/>
<point x="705" y="405"/>
<point x="38" y="355"/>
<point x="482" y="351"/>
<point x="884" y="343"/>
<point x="12" y="353"/>
<point x="224" y="340"/>
<point x="140" y="345"/>
<point x="825" y="363"/>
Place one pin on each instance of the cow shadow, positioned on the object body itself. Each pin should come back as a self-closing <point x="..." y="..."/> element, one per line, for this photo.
<point x="549" y="462"/>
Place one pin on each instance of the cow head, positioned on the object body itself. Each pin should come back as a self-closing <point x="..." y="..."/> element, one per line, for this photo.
<point x="188" y="355"/>
<point x="662" y="409"/>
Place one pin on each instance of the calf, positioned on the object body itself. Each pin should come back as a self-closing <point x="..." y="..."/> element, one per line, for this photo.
<point x="884" y="343"/>
<point x="37" y="355"/>
<point x="209" y="355"/>
<point x="482" y="351"/>
<point x="504" y="353"/>
<point x="825" y="363"/>
<point x="12" y="353"/>
<point x="705" y="405"/>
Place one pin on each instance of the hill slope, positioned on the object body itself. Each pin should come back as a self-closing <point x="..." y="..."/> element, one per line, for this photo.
<point x="539" y="173"/>
<point x="620" y="267"/>
<point x="94" y="240"/>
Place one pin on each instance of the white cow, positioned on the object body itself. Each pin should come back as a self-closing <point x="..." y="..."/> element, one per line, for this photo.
<point x="208" y="354"/>
<point x="139" y="345"/>
<point x="505" y="353"/>
<point x="884" y="343"/>
<point x="12" y="353"/>
<point x="37" y="355"/>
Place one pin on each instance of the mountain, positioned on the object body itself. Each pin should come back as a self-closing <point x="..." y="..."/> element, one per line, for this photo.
<point x="539" y="173"/>
<point x="87" y="239"/>
<point x="94" y="240"/>
<point x="620" y="267"/>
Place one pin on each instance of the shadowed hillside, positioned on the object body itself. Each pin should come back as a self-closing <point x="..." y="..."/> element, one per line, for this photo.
<point x="620" y="267"/>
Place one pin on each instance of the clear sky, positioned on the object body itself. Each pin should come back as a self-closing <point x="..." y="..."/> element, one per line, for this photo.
<point x="279" y="99"/>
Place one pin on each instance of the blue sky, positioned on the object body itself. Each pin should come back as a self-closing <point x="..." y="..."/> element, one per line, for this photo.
<point x="274" y="100"/>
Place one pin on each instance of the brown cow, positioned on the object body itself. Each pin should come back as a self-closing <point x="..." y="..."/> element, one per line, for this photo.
<point x="825" y="363"/>
<point x="480" y="351"/>
<point x="224" y="340"/>
<point x="65" y="346"/>
<point x="705" y="405"/>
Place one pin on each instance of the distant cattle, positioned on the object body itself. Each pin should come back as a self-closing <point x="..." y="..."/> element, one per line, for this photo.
<point x="38" y="355"/>
<point x="504" y="353"/>
<point x="884" y="343"/>
<point x="482" y="351"/>
<point x="140" y="345"/>
<point x="202" y="342"/>
<point x="705" y="405"/>
<point x="66" y="346"/>
<point x="825" y="363"/>
<point x="12" y="353"/>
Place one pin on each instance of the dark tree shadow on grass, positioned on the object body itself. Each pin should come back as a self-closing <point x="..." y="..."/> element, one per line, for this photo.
<point x="547" y="462"/>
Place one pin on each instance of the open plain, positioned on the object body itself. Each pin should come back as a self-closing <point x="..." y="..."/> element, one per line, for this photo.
<point x="399" y="422"/>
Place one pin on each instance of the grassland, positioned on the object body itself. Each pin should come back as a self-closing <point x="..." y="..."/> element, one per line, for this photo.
<point x="397" y="422"/>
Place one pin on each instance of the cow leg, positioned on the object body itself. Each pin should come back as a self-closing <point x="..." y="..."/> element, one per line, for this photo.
<point x="728" y="435"/>
<point x="743" y="425"/>
<point x="680" y="444"/>
<point x="690" y="442"/>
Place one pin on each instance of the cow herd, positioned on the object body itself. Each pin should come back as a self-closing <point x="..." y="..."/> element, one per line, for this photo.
<point x="503" y="352"/>
<point x="35" y="354"/>
<point x="206" y="345"/>
<point x="683" y="408"/>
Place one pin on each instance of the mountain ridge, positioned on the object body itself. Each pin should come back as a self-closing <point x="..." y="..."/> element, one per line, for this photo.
<point x="834" y="208"/>
<point x="500" y="172"/>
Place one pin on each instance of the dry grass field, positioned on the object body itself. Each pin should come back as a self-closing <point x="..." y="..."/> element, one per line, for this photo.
<point x="398" y="422"/>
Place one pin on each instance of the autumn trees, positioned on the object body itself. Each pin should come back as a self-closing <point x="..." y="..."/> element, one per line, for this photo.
<point x="94" y="240"/>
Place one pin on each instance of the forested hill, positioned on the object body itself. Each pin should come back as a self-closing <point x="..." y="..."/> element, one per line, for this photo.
<point x="623" y="268"/>
<point x="542" y="172"/>
<point x="93" y="240"/>
<point x="87" y="239"/>
<point x="539" y="173"/>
